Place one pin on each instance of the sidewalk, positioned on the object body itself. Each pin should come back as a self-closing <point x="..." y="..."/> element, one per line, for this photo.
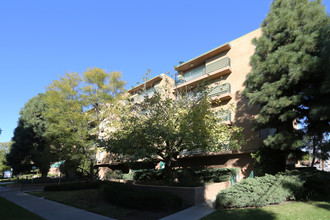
<point x="46" y="208"/>
<point x="195" y="212"/>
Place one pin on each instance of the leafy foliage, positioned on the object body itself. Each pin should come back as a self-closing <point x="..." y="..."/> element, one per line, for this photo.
<point x="114" y="174"/>
<point x="77" y="105"/>
<point x="180" y="177"/>
<point x="125" y="195"/>
<point x="4" y="149"/>
<point x="129" y="197"/>
<point x="74" y="186"/>
<point x="162" y="127"/>
<point x="29" y="141"/>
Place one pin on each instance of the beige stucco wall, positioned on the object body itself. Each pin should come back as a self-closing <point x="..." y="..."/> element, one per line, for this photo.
<point x="243" y="114"/>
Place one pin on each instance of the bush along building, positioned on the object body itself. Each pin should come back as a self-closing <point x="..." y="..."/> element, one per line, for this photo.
<point x="224" y="69"/>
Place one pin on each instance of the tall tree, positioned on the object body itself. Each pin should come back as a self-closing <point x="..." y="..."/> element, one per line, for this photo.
<point x="77" y="105"/>
<point x="162" y="127"/>
<point x="29" y="141"/>
<point x="4" y="149"/>
<point x="100" y="89"/>
<point x="289" y="66"/>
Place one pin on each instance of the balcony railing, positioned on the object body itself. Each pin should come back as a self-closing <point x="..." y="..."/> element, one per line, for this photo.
<point x="140" y="97"/>
<point x="205" y="69"/>
<point x="219" y="64"/>
<point x="220" y="89"/>
<point x="224" y="115"/>
<point x="200" y="152"/>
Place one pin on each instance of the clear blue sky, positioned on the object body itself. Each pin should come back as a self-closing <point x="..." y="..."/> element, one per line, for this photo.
<point x="41" y="40"/>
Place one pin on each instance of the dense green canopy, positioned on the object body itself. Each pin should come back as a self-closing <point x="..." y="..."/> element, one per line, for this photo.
<point x="289" y="79"/>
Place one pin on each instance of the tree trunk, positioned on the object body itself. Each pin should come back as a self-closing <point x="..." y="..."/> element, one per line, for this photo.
<point x="44" y="173"/>
<point x="314" y="154"/>
<point x="91" y="169"/>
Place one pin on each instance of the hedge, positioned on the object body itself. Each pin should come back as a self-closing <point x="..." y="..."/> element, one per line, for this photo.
<point x="185" y="177"/>
<point x="127" y="196"/>
<point x="74" y="186"/>
<point x="275" y="189"/>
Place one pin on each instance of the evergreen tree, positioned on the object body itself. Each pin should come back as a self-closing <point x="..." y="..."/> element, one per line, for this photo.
<point x="29" y="141"/>
<point x="289" y="79"/>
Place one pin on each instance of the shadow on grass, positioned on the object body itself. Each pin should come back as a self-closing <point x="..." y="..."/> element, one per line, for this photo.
<point x="323" y="205"/>
<point x="237" y="214"/>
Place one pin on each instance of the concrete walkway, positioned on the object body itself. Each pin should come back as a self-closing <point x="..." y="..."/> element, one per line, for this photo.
<point x="195" y="212"/>
<point x="46" y="208"/>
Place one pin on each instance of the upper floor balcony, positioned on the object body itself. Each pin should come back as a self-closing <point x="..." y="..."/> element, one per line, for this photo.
<point x="225" y="116"/>
<point x="210" y="71"/>
<point x="220" y="92"/>
<point x="139" y="97"/>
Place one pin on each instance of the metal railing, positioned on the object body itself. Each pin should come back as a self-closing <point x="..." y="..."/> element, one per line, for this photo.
<point x="219" y="64"/>
<point x="224" y="115"/>
<point x="220" y="89"/>
<point x="205" y="69"/>
<point x="140" y="97"/>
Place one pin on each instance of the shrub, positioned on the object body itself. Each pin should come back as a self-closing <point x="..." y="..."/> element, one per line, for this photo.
<point x="114" y="174"/>
<point x="215" y="174"/>
<point x="129" y="176"/>
<point x="148" y="175"/>
<point x="74" y="186"/>
<point x="317" y="186"/>
<point x="186" y="177"/>
<point x="260" y="191"/>
<point x="127" y="196"/>
<point x="275" y="189"/>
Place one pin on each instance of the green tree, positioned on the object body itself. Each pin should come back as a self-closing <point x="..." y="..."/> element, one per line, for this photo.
<point x="100" y="89"/>
<point x="29" y="141"/>
<point x="77" y="105"/>
<point x="162" y="127"/>
<point x="4" y="149"/>
<point x="68" y="125"/>
<point x="19" y="155"/>
<point x="290" y="64"/>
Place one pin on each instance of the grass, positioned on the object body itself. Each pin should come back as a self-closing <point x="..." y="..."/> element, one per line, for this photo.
<point x="291" y="210"/>
<point x="89" y="200"/>
<point x="9" y="210"/>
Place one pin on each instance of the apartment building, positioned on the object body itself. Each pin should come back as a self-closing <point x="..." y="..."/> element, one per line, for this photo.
<point x="158" y="83"/>
<point x="225" y="68"/>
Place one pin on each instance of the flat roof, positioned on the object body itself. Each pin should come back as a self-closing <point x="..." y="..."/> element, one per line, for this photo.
<point x="200" y="59"/>
<point x="148" y="83"/>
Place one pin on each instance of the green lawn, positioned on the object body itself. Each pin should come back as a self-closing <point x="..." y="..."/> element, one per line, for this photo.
<point x="289" y="211"/>
<point x="89" y="200"/>
<point x="9" y="210"/>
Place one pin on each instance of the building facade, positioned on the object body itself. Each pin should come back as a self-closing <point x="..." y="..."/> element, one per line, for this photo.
<point x="225" y="68"/>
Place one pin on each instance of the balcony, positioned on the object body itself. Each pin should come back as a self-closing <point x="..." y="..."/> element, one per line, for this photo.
<point x="140" y="97"/>
<point x="211" y="71"/>
<point x="198" y="152"/>
<point x="220" y="92"/>
<point x="225" y="116"/>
